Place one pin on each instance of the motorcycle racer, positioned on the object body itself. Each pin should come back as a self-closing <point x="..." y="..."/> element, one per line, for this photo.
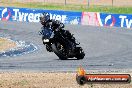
<point x="56" y="26"/>
<point x="58" y="40"/>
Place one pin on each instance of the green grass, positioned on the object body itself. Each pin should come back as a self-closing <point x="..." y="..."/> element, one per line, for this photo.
<point x="106" y="9"/>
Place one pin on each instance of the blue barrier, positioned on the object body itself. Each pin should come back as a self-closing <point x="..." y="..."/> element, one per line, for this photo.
<point x="32" y="15"/>
<point x="117" y="20"/>
<point x="67" y="17"/>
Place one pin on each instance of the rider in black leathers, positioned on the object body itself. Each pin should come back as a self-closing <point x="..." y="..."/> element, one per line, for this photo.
<point x="55" y="25"/>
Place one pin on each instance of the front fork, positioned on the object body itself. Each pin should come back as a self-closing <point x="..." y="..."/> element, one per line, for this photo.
<point x="47" y="43"/>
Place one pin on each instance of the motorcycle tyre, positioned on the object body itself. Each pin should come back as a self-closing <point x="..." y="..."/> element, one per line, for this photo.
<point x="60" y="55"/>
<point x="80" y="55"/>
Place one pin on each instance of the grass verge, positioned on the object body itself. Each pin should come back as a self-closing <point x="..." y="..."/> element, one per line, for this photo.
<point x="6" y="44"/>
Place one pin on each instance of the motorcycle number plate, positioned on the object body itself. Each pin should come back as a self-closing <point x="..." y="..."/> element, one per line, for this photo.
<point x="46" y="40"/>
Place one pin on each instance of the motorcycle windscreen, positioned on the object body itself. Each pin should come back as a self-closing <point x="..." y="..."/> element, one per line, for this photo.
<point x="47" y="33"/>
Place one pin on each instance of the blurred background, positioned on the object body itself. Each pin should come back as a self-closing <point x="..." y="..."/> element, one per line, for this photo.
<point x="121" y="3"/>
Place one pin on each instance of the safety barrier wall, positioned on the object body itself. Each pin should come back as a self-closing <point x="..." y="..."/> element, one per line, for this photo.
<point x="67" y="17"/>
<point x="105" y="19"/>
<point x="32" y="15"/>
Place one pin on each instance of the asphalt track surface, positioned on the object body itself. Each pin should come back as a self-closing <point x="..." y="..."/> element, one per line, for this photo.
<point x="106" y="49"/>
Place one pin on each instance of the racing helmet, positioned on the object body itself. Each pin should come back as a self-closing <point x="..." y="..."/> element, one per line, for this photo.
<point x="45" y="17"/>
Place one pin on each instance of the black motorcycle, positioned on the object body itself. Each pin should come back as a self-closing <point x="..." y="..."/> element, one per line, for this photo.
<point x="60" y="43"/>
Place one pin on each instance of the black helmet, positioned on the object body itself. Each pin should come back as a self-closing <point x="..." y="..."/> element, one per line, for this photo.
<point x="44" y="17"/>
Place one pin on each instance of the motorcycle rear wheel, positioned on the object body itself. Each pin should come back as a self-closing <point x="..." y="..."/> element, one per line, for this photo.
<point x="80" y="54"/>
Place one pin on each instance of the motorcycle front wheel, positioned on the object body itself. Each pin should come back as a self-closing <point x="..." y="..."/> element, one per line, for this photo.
<point x="59" y="50"/>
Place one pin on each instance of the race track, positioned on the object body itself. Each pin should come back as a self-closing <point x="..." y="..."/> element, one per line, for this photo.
<point x="106" y="49"/>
